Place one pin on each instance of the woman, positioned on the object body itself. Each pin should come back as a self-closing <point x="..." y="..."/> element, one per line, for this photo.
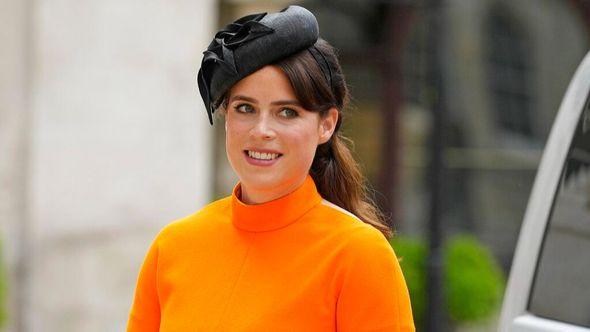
<point x="297" y="246"/>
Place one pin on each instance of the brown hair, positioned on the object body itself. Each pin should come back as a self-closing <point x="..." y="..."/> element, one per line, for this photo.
<point x="336" y="174"/>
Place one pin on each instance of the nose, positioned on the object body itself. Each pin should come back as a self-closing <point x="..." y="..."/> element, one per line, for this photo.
<point x="263" y="127"/>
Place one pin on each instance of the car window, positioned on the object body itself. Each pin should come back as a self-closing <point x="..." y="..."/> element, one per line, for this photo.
<point x="561" y="289"/>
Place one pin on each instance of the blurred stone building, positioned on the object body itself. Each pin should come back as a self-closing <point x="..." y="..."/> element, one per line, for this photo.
<point x="103" y="141"/>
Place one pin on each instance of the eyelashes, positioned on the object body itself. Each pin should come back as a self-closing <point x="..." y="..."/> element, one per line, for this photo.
<point x="288" y="113"/>
<point x="244" y="108"/>
<point x="284" y="112"/>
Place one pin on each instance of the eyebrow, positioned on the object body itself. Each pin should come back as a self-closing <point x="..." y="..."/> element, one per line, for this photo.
<point x="278" y="102"/>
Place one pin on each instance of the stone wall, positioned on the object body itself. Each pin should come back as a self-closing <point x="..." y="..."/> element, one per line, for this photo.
<point x="103" y="141"/>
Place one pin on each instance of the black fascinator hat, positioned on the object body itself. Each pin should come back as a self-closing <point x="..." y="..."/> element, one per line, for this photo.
<point x="250" y="43"/>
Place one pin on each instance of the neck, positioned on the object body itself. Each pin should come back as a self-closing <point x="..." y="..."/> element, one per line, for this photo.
<point x="274" y="214"/>
<point x="253" y="195"/>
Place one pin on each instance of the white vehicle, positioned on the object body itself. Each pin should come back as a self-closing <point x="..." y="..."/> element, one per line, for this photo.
<point x="549" y="284"/>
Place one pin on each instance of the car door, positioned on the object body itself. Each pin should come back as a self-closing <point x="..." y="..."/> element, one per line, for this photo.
<point x="549" y="284"/>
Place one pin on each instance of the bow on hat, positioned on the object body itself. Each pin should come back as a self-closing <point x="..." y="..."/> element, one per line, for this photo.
<point x="220" y="52"/>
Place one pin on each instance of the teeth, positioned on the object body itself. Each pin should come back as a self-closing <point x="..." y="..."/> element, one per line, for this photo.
<point x="263" y="155"/>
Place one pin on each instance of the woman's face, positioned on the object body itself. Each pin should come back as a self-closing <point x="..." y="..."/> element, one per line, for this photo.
<point x="270" y="139"/>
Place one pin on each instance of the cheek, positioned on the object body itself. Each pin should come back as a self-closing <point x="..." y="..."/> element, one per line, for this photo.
<point x="305" y="142"/>
<point x="234" y="128"/>
<point x="233" y="136"/>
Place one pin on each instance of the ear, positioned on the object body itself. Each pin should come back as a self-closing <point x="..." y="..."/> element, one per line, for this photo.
<point x="328" y="125"/>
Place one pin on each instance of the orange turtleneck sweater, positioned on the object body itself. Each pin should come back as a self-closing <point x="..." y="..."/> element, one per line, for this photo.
<point x="298" y="263"/>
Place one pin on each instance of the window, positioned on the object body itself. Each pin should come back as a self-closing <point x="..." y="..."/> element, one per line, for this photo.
<point x="561" y="290"/>
<point x="508" y="56"/>
<point x="416" y="66"/>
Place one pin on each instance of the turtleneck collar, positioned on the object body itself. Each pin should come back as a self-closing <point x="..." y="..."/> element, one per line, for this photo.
<point x="277" y="213"/>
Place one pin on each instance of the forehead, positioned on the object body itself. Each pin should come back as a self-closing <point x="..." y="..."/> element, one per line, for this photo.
<point x="266" y="84"/>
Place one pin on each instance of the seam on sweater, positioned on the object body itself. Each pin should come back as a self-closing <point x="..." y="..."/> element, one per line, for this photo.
<point x="234" y="286"/>
<point x="157" y="281"/>
<point x="336" y="207"/>
<point x="398" y="295"/>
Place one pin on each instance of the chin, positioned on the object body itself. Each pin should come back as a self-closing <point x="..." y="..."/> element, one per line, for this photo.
<point x="261" y="181"/>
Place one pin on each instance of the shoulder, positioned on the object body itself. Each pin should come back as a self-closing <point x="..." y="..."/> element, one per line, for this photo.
<point x="335" y="216"/>
<point x="331" y="208"/>
<point x="212" y="215"/>
<point x="354" y="235"/>
<point x="368" y="244"/>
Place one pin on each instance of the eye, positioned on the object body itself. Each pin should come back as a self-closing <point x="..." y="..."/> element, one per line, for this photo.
<point x="288" y="113"/>
<point x="244" y="108"/>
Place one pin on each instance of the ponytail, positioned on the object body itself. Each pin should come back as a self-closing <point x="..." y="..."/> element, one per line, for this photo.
<point x="339" y="180"/>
